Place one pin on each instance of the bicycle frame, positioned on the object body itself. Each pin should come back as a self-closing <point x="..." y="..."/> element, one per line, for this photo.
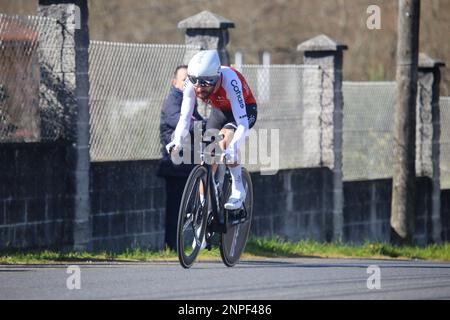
<point x="220" y="219"/>
<point x="219" y="223"/>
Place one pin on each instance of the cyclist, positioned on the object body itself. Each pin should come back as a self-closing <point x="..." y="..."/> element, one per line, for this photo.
<point x="234" y="112"/>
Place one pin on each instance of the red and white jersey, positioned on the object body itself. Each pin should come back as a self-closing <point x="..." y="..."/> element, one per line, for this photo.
<point x="232" y="95"/>
<point x="229" y="87"/>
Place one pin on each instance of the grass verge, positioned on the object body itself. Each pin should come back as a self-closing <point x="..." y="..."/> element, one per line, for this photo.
<point x="275" y="247"/>
<point x="256" y="248"/>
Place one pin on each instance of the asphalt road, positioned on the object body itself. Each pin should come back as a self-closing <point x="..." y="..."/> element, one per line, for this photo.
<point x="305" y="278"/>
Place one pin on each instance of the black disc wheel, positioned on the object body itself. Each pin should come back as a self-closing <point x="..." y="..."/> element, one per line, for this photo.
<point x="233" y="242"/>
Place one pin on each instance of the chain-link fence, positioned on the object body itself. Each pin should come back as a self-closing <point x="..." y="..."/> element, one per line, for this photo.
<point x="444" y="105"/>
<point x="278" y="136"/>
<point x="29" y="55"/>
<point x="128" y="85"/>
<point x="368" y="130"/>
<point x="368" y="144"/>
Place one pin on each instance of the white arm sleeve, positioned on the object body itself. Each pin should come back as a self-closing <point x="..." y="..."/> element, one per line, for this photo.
<point x="187" y="108"/>
<point x="233" y="88"/>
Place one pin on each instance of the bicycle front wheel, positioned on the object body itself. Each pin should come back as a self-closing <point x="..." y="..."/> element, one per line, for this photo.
<point x="192" y="217"/>
<point x="233" y="242"/>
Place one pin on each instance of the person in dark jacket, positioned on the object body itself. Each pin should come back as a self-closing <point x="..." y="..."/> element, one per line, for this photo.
<point x="175" y="175"/>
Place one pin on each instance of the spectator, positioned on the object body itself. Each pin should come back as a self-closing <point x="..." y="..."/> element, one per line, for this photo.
<point x="175" y="175"/>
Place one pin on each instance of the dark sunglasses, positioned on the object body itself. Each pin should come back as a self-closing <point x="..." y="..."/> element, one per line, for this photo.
<point x="203" y="81"/>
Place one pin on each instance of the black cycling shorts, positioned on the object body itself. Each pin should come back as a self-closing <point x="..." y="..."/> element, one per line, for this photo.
<point x="219" y="119"/>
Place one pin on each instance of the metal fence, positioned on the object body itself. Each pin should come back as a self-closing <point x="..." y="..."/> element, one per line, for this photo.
<point x="444" y="104"/>
<point x="28" y="65"/>
<point x="128" y="85"/>
<point x="368" y="130"/>
<point x="279" y="130"/>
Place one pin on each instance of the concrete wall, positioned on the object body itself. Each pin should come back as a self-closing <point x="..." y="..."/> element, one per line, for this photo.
<point x="34" y="211"/>
<point x="367" y="209"/>
<point x="294" y="204"/>
<point x="128" y="200"/>
<point x="127" y="205"/>
<point x="445" y="214"/>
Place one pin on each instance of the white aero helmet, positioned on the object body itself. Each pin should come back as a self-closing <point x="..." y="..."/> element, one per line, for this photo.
<point x="204" y="64"/>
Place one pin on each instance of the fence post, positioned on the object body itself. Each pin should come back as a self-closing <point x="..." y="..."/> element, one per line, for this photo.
<point x="208" y="31"/>
<point x="427" y="133"/>
<point x="238" y="60"/>
<point x="327" y="104"/>
<point x="73" y="93"/>
<point x="263" y="78"/>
